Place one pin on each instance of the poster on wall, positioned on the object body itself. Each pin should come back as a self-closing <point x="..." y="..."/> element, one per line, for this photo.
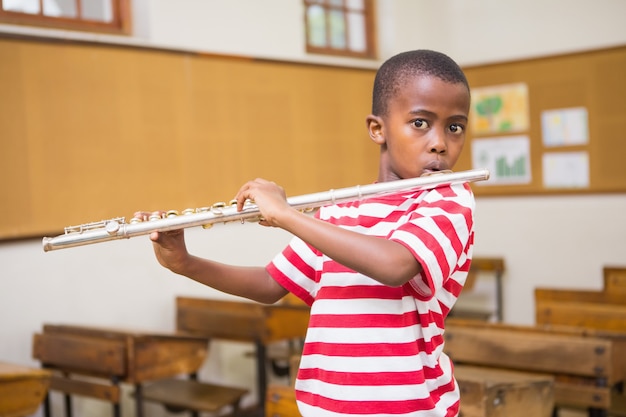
<point x="565" y="127"/>
<point x="565" y="170"/>
<point x="507" y="158"/>
<point x="499" y="109"/>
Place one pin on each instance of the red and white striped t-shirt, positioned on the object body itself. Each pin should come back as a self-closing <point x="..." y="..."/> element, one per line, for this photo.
<point x="371" y="349"/>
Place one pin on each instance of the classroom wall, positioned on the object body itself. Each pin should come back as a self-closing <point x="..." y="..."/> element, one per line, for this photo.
<point x="559" y="241"/>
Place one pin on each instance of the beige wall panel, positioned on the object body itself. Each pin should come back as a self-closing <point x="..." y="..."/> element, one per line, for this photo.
<point x="91" y="132"/>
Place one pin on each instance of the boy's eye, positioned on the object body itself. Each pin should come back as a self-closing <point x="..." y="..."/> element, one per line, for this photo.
<point x="456" y="128"/>
<point x="420" y="124"/>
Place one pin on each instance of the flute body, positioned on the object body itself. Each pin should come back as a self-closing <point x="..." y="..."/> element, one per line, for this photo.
<point x="117" y="228"/>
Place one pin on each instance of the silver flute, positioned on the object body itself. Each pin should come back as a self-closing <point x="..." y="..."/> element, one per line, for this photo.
<point x="117" y="228"/>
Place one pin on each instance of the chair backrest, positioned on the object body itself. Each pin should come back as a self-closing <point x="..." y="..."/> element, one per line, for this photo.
<point x="600" y="310"/>
<point x="245" y="321"/>
<point x="219" y="319"/>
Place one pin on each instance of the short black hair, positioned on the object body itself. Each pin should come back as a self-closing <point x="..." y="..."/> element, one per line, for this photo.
<point x="394" y="72"/>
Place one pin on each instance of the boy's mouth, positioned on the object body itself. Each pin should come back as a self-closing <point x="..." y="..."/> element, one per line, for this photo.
<point x="435" y="166"/>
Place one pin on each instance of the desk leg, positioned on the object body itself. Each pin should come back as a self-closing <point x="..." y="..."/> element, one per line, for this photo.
<point x="138" y="400"/>
<point x="499" y="298"/>
<point x="47" y="411"/>
<point x="194" y="377"/>
<point x="261" y="353"/>
<point x="68" y="405"/>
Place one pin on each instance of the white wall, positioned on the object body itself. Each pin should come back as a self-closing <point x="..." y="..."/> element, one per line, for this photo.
<point x="484" y="31"/>
<point x="119" y="284"/>
<point x="560" y="241"/>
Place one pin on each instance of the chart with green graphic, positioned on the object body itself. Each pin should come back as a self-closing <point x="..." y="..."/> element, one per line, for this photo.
<point x="515" y="168"/>
<point x="507" y="158"/>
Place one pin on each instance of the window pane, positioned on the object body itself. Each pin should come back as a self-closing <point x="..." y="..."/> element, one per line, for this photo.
<point x="59" y="8"/>
<point x="317" y="26"/>
<point x="337" y="29"/>
<point x="100" y="10"/>
<point x="86" y="15"/>
<point x="355" y="4"/>
<point x="22" y="6"/>
<point x="356" y="23"/>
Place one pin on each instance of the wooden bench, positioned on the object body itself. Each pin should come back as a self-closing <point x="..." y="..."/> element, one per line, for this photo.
<point x="589" y="366"/>
<point x="604" y="310"/>
<point x="485" y="392"/>
<point x="22" y="389"/>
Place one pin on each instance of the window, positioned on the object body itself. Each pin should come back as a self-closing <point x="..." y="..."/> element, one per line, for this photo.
<point x="110" y="16"/>
<point x="340" y="27"/>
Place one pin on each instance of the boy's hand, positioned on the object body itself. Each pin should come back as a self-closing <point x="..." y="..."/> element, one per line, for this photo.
<point x="169" y="247"/>
<point x="268" y="196"/>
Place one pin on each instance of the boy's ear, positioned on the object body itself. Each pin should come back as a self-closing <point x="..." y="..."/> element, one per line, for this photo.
<point x="375" y="128"/>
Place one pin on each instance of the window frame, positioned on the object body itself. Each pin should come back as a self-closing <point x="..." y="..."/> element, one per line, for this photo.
<point x="119" y="25"/>
<point x="370" y="51"/>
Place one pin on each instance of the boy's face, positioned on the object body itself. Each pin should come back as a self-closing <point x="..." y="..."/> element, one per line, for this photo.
<point x="424" y="129"/>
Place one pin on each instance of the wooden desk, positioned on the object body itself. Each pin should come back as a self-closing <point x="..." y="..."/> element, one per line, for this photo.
<point x="243" y="321"/>
<point x="589" y="366"/>
<point x="485" y="392"/>
<point x="113" y="355"/>
<point x="281" y="401"/>
<point x="22" y="389"/>
<point x="490" y="392"/>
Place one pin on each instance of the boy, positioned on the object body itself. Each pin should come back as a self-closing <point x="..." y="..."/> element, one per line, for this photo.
<point x="380" y="274"/>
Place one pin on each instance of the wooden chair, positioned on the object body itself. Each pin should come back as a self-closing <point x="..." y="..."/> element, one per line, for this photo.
<point x="191" y="395"/>
<point x="600" y="310"/>
<point x="479" y="266"/>
<point x="262" y="325"/>
<point x="214" y="319"/>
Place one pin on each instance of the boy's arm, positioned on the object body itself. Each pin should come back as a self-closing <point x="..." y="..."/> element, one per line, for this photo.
<point x="386" y="261"/>
<point x="250" y="282"/>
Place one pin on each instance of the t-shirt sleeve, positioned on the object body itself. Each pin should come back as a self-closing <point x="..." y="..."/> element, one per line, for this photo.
<point x="295" y="268"/>
<point x="439" y="233"/>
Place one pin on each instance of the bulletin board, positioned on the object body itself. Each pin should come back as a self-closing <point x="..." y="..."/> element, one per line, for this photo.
<point x="563" y="131"/>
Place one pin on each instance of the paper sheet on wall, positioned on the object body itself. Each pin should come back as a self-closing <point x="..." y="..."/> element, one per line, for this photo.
<point x="562" y="127"/>
<point x="507" y="158"/>
<point x="566" y="170"/>
<point x="499" y="109"/>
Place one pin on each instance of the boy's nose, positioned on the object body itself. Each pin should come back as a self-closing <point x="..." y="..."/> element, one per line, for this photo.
<point x="438" y="143"/>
